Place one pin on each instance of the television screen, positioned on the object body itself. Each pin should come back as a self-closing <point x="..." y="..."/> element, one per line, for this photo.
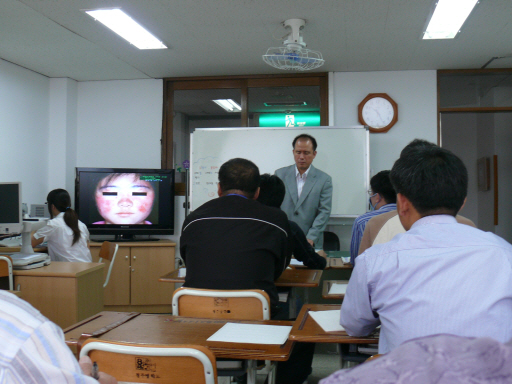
<point x="126" y="202"/>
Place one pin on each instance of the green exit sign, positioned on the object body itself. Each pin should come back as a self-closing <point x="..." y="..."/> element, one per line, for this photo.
<point x="305" y="119"/>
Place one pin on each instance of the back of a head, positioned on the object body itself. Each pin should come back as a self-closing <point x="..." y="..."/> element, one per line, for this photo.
<point x="239" y="175"/>
<point x="415" y="145"/>
<point x="61" y="200"/>
<point x="272" y="190"/>
<point x="433" y="179"/>
<point x="381" y="184"/>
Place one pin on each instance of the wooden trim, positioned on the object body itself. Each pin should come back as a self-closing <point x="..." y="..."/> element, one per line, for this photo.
<point x="473" y="71"/>
<point x="495" y="171"/>
<point x="476" y="109"/>
<point x="167" y="138"/>
<point x="243" y="77"/>
<point x="245" y="105"/>
<point x="206" y="84"/>
<point x="438" y="112"/>
<point x="324" y="101"/>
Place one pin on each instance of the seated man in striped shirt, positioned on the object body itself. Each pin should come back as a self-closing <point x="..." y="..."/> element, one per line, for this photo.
<point x="382" y="199"/>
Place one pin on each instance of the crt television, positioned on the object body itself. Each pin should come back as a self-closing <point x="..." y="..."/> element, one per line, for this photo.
<point x="125" y="202"/>
<point x="11" y="219"/>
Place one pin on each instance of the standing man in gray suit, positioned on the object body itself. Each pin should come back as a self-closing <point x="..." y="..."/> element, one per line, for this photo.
<point x="308" y="196"/>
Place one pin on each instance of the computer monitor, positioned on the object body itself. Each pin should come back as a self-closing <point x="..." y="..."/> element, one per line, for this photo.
<point x="11" y="218"/>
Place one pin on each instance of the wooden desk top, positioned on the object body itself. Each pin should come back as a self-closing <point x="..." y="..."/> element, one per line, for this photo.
<point x="60" y="269"/>
<point x="17" y="249"/>
<point x="158" y="243"/>
<point x="166" y="330"/>
<point x="290" y="278"/>
<point x="327" y="286"/>
<point x="306" y="329"/>
<point x="337" y="263"/>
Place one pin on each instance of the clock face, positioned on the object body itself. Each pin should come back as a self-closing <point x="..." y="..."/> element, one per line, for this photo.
<point x="378" y="112"/>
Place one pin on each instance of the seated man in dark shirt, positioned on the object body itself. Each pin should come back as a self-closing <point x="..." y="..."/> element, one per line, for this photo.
<point x="272" y="191"/>
<point x="234" y="242"/>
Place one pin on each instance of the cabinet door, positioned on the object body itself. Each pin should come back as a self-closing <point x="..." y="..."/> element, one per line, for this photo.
<point x="117" y="292"/>
<point x="148" y="264"/>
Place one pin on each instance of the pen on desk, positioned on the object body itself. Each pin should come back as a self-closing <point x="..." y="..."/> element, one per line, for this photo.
<point x="95" y="374"/>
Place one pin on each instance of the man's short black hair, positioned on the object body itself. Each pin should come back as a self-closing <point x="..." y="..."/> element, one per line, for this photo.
<point x="381" y="184"/>
<point x="433" y="179"/>
<point x="307" y="137"/>
<point x="272" y="190"/>
<point x="416" y="144"/>
<point x="239" y="174"/>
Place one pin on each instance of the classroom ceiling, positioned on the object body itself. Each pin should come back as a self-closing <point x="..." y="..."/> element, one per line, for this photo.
<point x="227" y="37"/>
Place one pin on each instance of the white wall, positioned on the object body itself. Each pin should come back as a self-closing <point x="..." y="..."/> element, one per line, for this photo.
<point x="119" y="123"/>
<point x="24" y="108"/>
<point x="415" y="92"/>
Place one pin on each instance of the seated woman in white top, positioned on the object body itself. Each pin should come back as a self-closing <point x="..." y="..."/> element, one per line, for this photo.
<point x="67" y="237"/>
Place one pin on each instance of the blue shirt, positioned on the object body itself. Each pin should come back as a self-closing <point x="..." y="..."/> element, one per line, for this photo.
<point x="438" y="277"/>
<point x="359" y="226"/>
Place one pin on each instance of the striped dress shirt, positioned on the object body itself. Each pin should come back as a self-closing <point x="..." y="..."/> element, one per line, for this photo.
<point x="360" y="224"/>
<point x="32" y="348"/>
<point x="438" y="277"/>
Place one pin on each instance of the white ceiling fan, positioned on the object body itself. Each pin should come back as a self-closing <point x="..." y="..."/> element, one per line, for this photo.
<point x="293" y="55"/>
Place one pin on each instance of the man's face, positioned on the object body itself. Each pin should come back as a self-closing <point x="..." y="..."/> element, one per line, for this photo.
<point x="125" y="199"/>
<point x="303" y="154"/>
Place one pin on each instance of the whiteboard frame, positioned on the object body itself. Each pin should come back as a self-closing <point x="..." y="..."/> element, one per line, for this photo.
<point x="366" y="155"/>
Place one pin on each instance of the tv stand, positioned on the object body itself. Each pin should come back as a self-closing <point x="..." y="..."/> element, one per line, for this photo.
<point x="125" y="239"/>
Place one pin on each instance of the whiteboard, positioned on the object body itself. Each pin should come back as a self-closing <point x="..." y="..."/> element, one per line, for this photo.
<point x="343" y="153"/>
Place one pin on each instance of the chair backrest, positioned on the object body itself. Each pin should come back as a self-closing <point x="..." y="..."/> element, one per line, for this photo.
<point x="247" y="304"/>
<point x="108" y="251"/>
<point x="331" y="241"/>
<point x="134" y="363"/>
<point x="6" y="269"/>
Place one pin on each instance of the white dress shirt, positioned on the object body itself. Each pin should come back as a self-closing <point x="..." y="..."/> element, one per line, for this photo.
<point x="301" y="180"/>
<point x="438" y="277"/>
<point x="60" y="237"/>
<point x="32" y="349"/>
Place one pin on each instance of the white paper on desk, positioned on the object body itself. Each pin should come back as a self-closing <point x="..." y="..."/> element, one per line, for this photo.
<point x="338" y="289"/>
<point x="182" y="272"/>
<point x="328" y="320"/>
<point x="296" y="262"/>
<point x="252" y="333"/>
<point x="346" y="260"/>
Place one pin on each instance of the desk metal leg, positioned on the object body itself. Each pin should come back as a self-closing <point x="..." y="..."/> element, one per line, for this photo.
<point x="251" y="372"/>
<point x="293" y="303"/>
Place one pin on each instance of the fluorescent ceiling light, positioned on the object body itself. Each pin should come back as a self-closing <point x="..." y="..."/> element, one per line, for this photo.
<point x="448" y="18"/>
<point x="127" y="28"/>
<point x="228" y="104"/>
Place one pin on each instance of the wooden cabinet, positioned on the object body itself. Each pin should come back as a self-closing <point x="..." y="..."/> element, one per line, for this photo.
<point x="133" y="284"/>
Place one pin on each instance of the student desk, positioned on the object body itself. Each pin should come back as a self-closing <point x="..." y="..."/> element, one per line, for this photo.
<point x="289" y="278"/>
<point x="327" y="286"/>
<point x="168" y="330"/>
<point x="305" y="329"/>
<point x="64" y="292"/>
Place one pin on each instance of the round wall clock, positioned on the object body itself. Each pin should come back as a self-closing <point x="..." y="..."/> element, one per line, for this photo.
<point x="378" y="111"/>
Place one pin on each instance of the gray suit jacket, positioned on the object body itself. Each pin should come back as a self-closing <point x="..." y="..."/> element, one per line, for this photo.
<point x="312" y="211"/>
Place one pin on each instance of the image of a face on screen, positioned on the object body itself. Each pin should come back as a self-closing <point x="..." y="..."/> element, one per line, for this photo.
<point x="123" y="198"/>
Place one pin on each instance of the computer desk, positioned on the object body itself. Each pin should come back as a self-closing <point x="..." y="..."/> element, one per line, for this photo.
<point x="159" y="329"/>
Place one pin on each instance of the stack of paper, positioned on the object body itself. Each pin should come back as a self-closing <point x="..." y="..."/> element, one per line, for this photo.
<point x="252" y="333"/>
<point x="338" y="289"/>
<point x="296" y="262"/>
<point x="328" y="320"/>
